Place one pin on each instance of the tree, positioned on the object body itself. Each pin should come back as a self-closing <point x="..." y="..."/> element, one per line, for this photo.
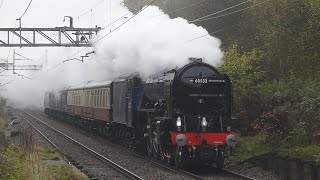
<point x="287" y="31"/>
<point x="243" y="69"/>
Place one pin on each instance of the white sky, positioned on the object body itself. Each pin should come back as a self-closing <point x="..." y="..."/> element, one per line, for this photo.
<point x="50" y="13"/>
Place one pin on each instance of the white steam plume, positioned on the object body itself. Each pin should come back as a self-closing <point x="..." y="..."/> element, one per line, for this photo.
<point x="147" y="44"/>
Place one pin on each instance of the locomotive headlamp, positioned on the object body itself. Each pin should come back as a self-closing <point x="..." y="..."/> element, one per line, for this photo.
<point x="204" y="122"/>
<point x="179" y="123"/>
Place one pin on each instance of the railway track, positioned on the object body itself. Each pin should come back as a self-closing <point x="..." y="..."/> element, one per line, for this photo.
<point x="238" y="175"/>
<point x="107" y="169"/>
<point x="212" y="175"/>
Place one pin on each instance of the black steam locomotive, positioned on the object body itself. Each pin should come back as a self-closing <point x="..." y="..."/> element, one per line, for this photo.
<point x="180" y="116"/>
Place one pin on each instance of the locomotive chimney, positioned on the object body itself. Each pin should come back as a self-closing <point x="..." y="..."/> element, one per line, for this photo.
<point x="193" y="59"/>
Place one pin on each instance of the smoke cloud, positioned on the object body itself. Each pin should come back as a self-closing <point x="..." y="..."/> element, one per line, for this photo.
<point x="148" y="43"/>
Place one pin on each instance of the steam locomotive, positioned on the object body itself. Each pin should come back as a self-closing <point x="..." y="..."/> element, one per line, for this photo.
<point x="180" y="116"/>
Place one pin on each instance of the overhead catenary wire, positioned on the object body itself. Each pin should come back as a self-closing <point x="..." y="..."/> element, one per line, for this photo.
<point x="180" y="9"/>
<point x="47" y="71"/>
<point x="216" y="17"/>
<point x="211" y="33"/>
<point x="23" y="57"/>
<point x="122" y="25"/>
<point x="86" y="12"/>
<point x="7" y="83"/>
<point x="99" y="39"/>
<point x="59" y="64"/>
<point x="124" y="22"/>
<point x="121" y="17"/>
<point x="223" y="29"/>
<point x="116" y="27"/>
<point x="221" y="11"/>
<point x="26" y="9"/>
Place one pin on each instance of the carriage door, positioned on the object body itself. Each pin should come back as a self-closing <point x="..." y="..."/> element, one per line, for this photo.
<point x="129" y="103"/>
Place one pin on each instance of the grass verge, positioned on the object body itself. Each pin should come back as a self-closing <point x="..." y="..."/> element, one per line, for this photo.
<point x="26" y="162"/>
<point x="253" y="146"/>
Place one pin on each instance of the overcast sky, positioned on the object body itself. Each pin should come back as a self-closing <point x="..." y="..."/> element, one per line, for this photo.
<point x="50" y="13"/>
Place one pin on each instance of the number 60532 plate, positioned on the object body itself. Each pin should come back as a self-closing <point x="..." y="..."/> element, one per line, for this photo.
<point x="201" y="81"/>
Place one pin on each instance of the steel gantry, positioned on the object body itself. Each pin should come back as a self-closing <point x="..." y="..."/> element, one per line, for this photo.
<point x="43" y="37"/>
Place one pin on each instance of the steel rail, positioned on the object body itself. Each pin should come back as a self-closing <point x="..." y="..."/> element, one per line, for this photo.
<point x="147" y="158"/>
<point x="154" y="161"/>
<point x="117" y="167"/>
<point x="238" y="175"/>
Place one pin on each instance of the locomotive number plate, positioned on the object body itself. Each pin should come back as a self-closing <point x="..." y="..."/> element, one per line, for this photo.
<point x="201" y="81"/>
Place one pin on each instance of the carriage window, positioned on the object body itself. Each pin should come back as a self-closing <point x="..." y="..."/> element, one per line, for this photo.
<point x="108" y="97"/>
<point x="91" y="98"/>
<point x="96" y="98"/>
<point x="79" y="97"/>
<point x="87" y="98"/>
<point x="101" y="98"/>
<point x="104" y="98"/>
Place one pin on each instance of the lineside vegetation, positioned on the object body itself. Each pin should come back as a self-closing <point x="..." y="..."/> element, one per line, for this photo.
<point x="26" y="160"/>
<point x="274" y="62"/>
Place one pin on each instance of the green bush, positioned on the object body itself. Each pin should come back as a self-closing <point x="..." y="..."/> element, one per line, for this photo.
<point x="252" y="146"/>
<point x="309" y="152"/>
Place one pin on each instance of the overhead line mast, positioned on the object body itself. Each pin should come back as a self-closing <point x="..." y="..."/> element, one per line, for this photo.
<point x="77" y="37"/>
